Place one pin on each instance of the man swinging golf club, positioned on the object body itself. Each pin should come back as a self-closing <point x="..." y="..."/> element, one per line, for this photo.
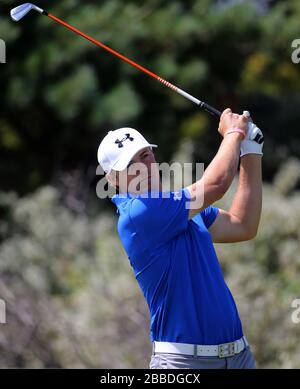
<point x="169" y="242"/>
<point x="169" y="239"/>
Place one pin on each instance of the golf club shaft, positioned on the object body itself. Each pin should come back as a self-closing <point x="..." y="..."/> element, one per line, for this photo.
<point x="200" y="103"/>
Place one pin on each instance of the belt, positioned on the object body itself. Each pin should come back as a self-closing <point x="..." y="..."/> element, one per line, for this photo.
<point x="221" y="350"/>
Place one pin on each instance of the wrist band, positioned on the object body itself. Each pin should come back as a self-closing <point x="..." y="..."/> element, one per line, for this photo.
<point x="236" y="130"/>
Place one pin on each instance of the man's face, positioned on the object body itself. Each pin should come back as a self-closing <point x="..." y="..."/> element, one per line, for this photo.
<point x="141" y="175"/>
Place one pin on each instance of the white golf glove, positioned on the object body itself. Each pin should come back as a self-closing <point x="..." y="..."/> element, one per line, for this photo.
<point x="254" y="141"/>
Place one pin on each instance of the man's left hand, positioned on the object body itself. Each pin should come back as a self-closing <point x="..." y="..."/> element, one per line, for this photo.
<point x="254" y="141"/>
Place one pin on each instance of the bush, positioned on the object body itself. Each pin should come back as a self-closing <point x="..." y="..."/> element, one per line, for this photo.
<point x="72" y="300"/>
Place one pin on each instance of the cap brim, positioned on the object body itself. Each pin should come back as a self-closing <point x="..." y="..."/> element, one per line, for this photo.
<point x="123" y="162"/>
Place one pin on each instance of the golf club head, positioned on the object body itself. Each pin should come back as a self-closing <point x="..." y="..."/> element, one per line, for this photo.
<point x="19" y="12"/>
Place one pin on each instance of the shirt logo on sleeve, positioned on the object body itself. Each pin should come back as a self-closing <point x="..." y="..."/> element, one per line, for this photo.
<point x="177" y="195"/>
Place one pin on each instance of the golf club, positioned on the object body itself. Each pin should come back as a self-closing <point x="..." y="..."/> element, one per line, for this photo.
<point x="22" y="10"/>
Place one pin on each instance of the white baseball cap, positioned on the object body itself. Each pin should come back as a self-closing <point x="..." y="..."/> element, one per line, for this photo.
<point x="118" y="148"/>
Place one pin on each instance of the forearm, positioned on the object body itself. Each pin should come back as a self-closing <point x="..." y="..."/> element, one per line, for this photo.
<point x="223" y="167"/>
<point x="247" y="201"/>
<point x="219" y="175"/>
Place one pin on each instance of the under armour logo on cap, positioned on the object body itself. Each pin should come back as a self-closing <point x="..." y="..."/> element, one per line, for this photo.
<point x="120" y="142"/>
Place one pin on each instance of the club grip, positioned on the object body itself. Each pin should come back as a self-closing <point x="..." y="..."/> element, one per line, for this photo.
<point x="210" y="109"/>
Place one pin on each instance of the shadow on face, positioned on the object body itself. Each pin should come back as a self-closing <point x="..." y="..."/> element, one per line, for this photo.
<point x="141" y="174"/>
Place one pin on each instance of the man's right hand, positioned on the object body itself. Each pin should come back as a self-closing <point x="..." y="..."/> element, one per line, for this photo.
<point x="230" y="121"/>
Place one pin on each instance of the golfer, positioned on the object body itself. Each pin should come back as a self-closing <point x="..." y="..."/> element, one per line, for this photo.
<point x="169" y="236"/>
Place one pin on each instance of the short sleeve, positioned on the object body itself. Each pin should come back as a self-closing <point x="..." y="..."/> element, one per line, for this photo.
<point x="209" y="215"/>
<point x="160" y="219"/>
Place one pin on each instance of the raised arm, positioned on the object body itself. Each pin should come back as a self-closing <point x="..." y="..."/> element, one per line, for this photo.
<point x="218" y="176"/>
<point x="241" y="222"/>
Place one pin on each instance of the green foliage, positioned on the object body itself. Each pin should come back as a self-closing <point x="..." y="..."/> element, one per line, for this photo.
<point x="71" y="297"/>
<point x="76" y="92"/>
<point x="57" y="88"/>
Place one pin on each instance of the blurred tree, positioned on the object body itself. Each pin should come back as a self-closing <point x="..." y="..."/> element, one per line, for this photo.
<point x="63" y="307"/>
<point x="60" y="94"/>
<point x="72" y="300"/>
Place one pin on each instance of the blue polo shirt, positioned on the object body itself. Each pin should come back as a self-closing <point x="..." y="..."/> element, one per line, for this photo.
<point x="177" y="268"/>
